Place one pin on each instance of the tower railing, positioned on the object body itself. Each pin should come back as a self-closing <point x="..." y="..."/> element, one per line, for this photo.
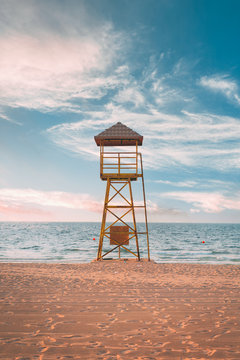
<point x="120" y="164"/>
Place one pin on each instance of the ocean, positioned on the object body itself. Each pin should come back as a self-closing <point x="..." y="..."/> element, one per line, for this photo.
<point x="73" y="242"/>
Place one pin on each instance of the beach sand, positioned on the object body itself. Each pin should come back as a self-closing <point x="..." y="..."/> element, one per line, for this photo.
<point x="119" y="310"/>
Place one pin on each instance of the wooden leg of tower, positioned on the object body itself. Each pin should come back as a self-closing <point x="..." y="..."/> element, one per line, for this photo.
<point x="102" y="233"/>
<point x="146" y="222"/>
<point x="134" y="219"/>
<point x="145" y="209"/>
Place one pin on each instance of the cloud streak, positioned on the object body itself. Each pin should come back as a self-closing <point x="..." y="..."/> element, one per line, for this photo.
<point x="53" y="62"/>
<point x="176" y="183"/>
<point x="20" y="198"/>
<point x="32" y="204"/>
<point x="7" y="118"/>
<point x="223" y="85"/>
<point x="189" y="139"/>
<point x="52" y="74"/>
<point x="209" y="202"/>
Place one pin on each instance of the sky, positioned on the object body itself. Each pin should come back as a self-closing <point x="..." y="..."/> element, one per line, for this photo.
<point x="168" y="69"/>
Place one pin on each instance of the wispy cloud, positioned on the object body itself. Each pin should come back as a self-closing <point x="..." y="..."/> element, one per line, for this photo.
<point x="222" y="84"/>
<point x="177" y="183"/>
<point x="155" y="210"/>
<point x="7" y="118"/>
<point x="53" y="62"/>
<point x="11" y="209"/>
<point x="188" y="139"/>
<point x="130" y="94"/>
<point x="32" y="204"/>
<point x="17" y="198"/>
<point x="78" y="63"/>
<point x="51" y="74"/>
<point x="209" y="202"/>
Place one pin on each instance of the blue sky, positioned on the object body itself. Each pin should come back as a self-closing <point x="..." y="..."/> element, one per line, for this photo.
<point x="168" y="69"/>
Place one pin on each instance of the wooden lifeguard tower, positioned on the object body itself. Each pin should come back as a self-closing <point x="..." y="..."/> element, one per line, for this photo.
<point x="119" y="169"/>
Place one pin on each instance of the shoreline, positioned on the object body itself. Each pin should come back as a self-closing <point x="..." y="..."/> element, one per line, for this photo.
<point x="131" y="259"/>
<point x="119" y="310"/>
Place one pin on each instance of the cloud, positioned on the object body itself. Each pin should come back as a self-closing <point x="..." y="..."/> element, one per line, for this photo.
<point x="9" y="209"/>
<point x="177" y="138"/>
<point x="158" y="213"/>
<point x="206" y="201"/>
<point x="201" y="185"/>
<point x="53" y="61"/>
<point x="7" y="118"/>
<point x="51" y="74"/>
<point x="188" y="139"/>
<point x="176" y="183"/>
<point x="130" y="94"/>
<point x="154" y="209"/>
<point x="20" y="198"/>
<point x="222" y="84"/>
<point x="75" y="62"/>
<point x="36" y="205"/>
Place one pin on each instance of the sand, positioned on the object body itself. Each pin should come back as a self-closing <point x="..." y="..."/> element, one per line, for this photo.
<point x="119" y="310"/>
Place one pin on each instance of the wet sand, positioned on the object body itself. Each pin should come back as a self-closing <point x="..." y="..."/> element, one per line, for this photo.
<point x="119" y="310"/>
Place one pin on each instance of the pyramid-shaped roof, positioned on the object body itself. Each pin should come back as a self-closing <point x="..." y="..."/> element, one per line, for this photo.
<point x="118" y="135"/>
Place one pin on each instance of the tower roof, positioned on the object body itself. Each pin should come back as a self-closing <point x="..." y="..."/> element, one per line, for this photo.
<point x="118" y="135"/>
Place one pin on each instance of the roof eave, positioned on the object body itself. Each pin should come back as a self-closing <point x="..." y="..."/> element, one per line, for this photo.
<point x="118" y="141"/>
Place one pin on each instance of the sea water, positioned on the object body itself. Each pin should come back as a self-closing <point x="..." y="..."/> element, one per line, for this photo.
<point x="73" y="242"/>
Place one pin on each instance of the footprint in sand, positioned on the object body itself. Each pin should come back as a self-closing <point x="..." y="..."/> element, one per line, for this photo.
<point x="60" y="315"/>
<point x="192" y="344"/>
<point x="51" y="339"/>
<point x="210" y="352"/>
<point x="44" y="347"/>
<point x="36" y="333"/>
<point x="161" y="345"/>
<point x="182" y="324"/>
<point x="50" y="324"/>
<point x="102" y="326"/>
<point x="46" y="310"/>
<point x="185" y="322"/>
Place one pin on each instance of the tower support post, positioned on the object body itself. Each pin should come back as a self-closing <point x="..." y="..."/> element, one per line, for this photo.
<point x="134" y="219"/>
<point x="104" y="216"/>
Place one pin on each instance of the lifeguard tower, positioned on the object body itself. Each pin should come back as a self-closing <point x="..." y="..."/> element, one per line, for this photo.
<point x="120" y="169"/>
